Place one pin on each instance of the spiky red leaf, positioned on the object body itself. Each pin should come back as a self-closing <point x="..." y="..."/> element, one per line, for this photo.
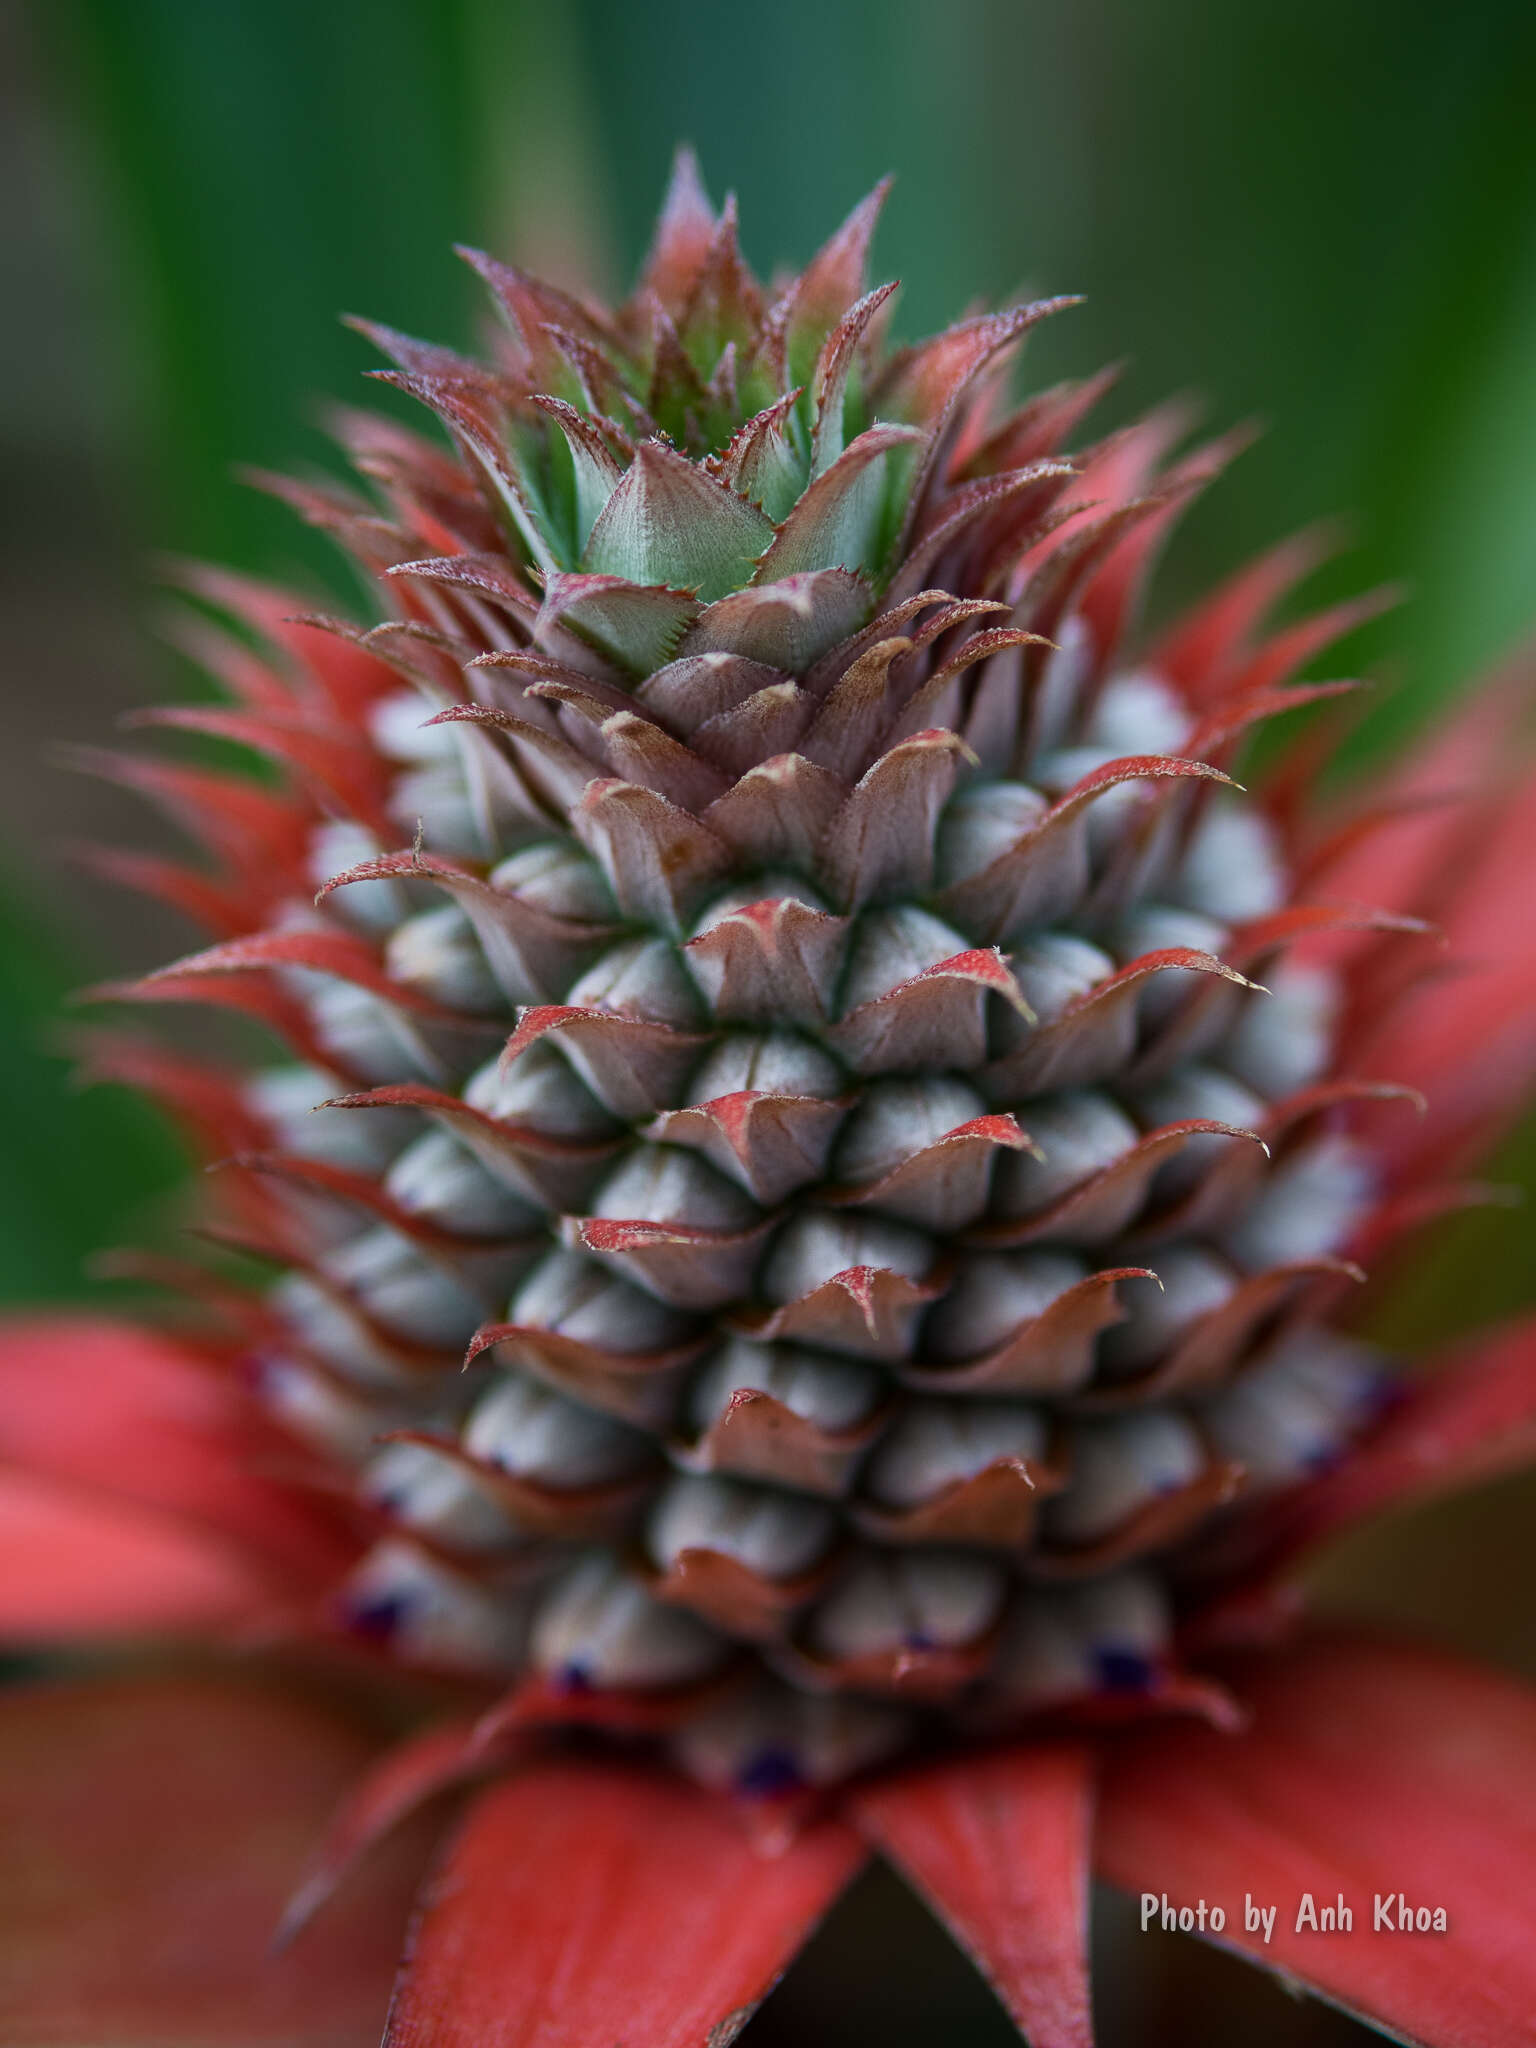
<point x="998" y="1845"/>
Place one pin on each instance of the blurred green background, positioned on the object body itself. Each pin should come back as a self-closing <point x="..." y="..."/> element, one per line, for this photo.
<point x="1321" y="213"/>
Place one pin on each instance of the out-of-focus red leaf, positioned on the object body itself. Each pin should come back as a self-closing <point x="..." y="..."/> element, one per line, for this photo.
<point x="1417" y="814"/>
<point x="1467" y="1038"/>
<point x="1450" y="836"/>
<point x="585" y="1904"/>
<point x="1471" y="1417"/>
<point x="131" y="1414"/>
<point x="1367" y="1769"/>
<point x="74" y="1564"/>
<point x="428" y="1762"/>
<point x="152" y="1828"/>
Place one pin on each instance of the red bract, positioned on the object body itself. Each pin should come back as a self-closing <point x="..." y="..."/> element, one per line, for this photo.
<point x="819" y="1208"/>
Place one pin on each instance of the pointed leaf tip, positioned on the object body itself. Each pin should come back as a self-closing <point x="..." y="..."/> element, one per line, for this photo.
<point x="684" y="233"/>
<point x="998" y="1845"/>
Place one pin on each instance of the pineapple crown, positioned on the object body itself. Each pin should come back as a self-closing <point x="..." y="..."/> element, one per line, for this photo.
<point x="809" y="1042"/>
<point x="711" y="470"/>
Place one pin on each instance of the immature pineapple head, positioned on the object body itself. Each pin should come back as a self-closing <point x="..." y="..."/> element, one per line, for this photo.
<point x="808" y="1052"/>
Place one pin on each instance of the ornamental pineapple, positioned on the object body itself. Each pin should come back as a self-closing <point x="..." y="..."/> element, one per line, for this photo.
<point x="811" y="1180"/>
